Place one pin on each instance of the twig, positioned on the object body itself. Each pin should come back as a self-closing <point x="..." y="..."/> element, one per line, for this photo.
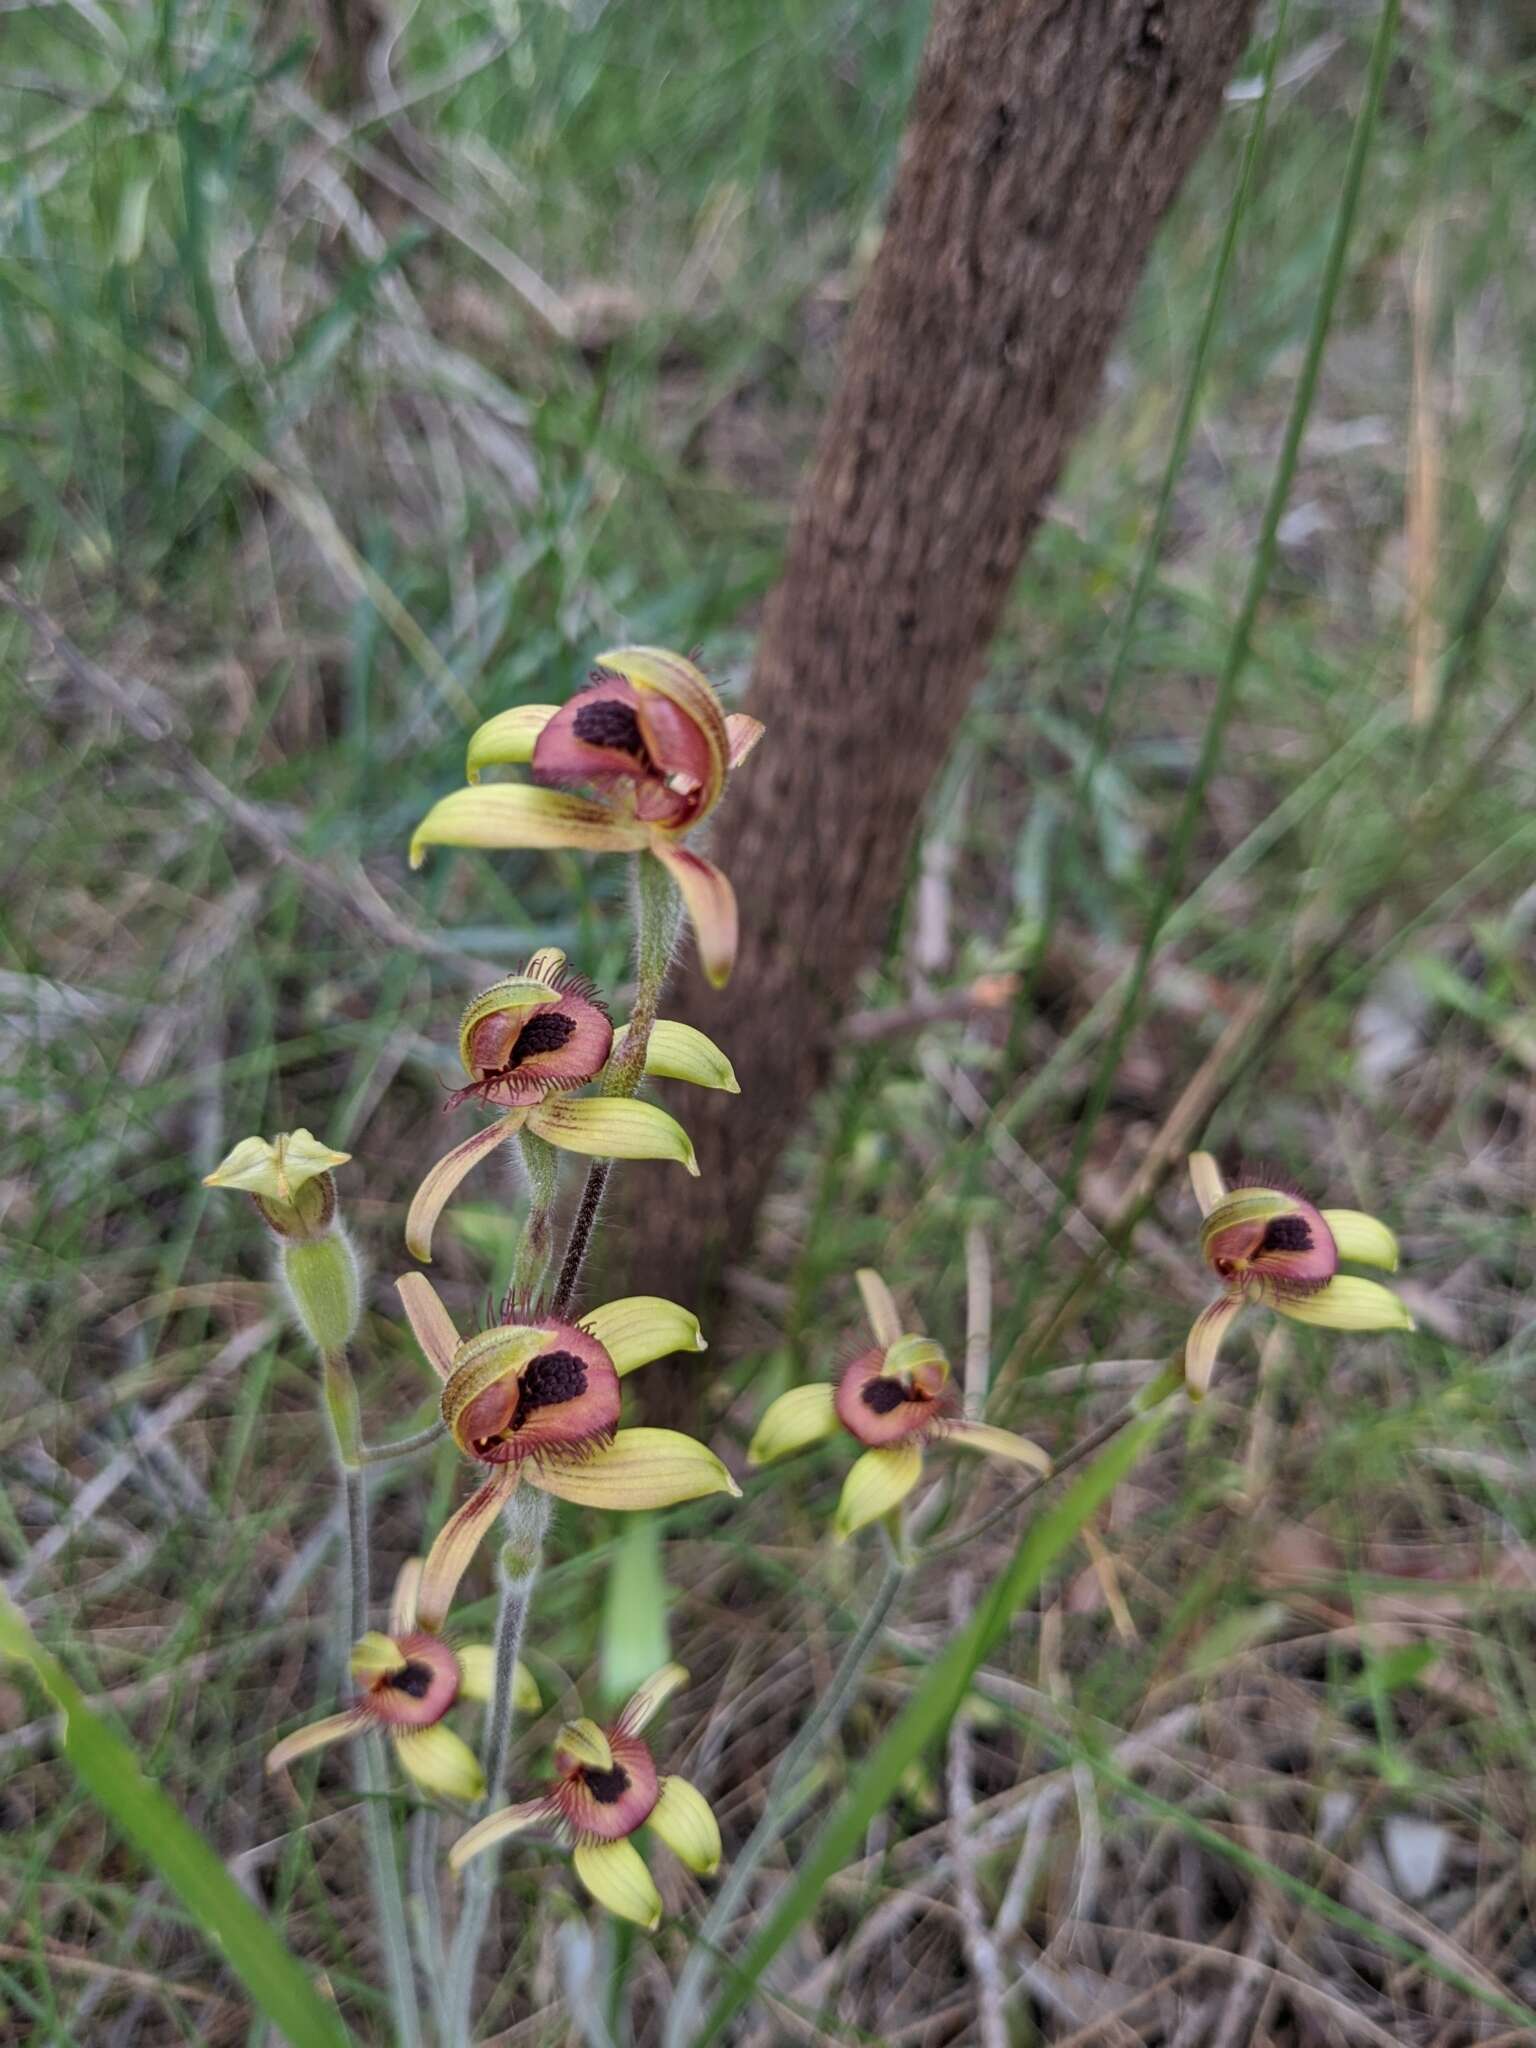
<point x="975" y="1935"/>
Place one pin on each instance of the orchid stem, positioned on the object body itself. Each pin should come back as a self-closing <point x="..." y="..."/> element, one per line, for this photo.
<point x="657" y="910"/>
<point x="780" y="1807"/>
<point x="418" y="1440"/>
<point x="541" y="1166"/>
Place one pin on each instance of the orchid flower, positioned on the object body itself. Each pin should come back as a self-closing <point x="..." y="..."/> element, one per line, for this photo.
<point x="1270" y="1247"/>
<point x="536" y="1399"/>
<point x="648" y="734"/>
<point x="893" y="1399"/>
<point x="526" y="1043"/>
<point x="408" y="1680"/>
<point x="605" y="1787"/>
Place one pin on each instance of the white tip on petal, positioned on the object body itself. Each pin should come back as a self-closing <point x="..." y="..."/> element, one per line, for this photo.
<point x="1362" y="1239"/>
<point x="685" y="1821"/>
<point x="616" y="1876"/>
<point x="1205" y="1178"/>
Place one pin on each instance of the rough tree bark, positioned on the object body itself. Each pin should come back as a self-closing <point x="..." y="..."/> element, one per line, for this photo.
<point x="1045" y="142"/>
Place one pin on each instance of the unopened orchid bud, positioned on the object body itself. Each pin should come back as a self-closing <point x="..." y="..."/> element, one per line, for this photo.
<point x="321" y="1278"/>
<point x="288" y="1178"/>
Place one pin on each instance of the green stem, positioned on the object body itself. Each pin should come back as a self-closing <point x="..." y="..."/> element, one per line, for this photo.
<point x="780" y="1808"/>
<point x="418" y="1440"/>
<point x="541" y="1165"/>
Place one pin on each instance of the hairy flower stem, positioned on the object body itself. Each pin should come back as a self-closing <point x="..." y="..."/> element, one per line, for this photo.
<point x="524" y="1523"/>
<point x="541" y="1165"/>
<point x="780" y="1808"/>
<point x="418" y="1440"/>
<point x="343" y="1411"/>
<point x="657" y="909"/>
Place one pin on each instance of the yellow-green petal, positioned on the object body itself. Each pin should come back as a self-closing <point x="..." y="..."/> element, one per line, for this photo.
<point x="431" y="1324"/>
<point x="275" y="1167"/>
<point x="508" y="814"/>
<point x="649" y="1699"/>
<point x="998" y="1443"/>
<point x="508" y="739"/>
<point x="685" y="1821"/>
<point x="616" y="1876"/>
<point x="457" y="1541"/>
<point x="318" y="1735"/>
<point x="441" y="1762"/>
<point x="803" y="1416"/>
<point x="641" y="1468"/>
<point x="1362" y="1238"/>
<point x="508" y="1820"/>
<point x="876" y="1483"/>
<point x="1346" y="1303"/>
<point x="611" y="1127"/>
<point x="642" y="1327"/>
<point x="910" y="1353"/>
<point x="710" y="902"/>
<point x="676" y="1052"/>
<point x="879" y="1305"/>
<point x="477" y="1678"/>
<point x="375" y="1656"/>
<point x="431" y="1198"/>
<point x="585" y="1744"/>
<point x="1204" y="1342"/>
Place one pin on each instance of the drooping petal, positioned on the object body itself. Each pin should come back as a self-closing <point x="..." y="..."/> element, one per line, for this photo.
<point x="613" y="1127"/>
<point x="876" y="1483"/>
<point x="710" y="902"/>
<point x="508" y="739"/>
<point x="477" y="1678"/>
<point x="318" y="1735"/>
<point x="616" y="1876"/>
<point x="648" y="1701"/>
<point x="430" y="1199"/>
<point x="641" y="1468"/>
<point x="803" y="1416"/>
<point x="1362" y="1238"/>
<point x="430" y="1322"/>
<point x="1346" y="1304"/>
<point x="1204" y="1341"/>
<point x="641" y="1327"/>
<point x="742" y="733"/>
<point x="442" y="1762"/>
<point x="997" y="1443"/>
<point x="508" y="1820"/>
<point x="457" y="1541"/>
<point x="676" y="1052"/>
<point x="402" y="1603"/>
<point x="879" y="1306"/>
<point x="509" y="814"/>
<point x="1205" y="1178"/>
<point x="686" y="1822"/>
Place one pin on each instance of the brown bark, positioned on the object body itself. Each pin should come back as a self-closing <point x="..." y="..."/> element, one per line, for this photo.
<point x="1046" y="141"/>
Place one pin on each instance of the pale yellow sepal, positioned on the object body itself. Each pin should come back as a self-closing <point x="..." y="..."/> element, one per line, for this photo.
<point x="375" y="1656"/>
<point x="318" y="1735"/>
<point x="685" y="1821"/>
<point x="647" y="1702"/>
<point x="879" y="1305"/>
<point x="642" y="1327"/>
<point x="803" y="1416"/>
<point x="998" y="1443"/>
<point x="585" y="1744"/>
<point x="876" y="1483"/>
<point x="477" y="1678"/>
<point x="430" y="1322"/>
<point x="612" y="1127"/>
<point x="1362" y="1238"/>
<point x="405" y="1598"/>
<point x="508" y="739"/>
<point x="507" y="814"/>
<point x="676" y="1052"/>
<point x="275" y="1167"/>
<point x="641" y="1468"/>
<point x="441" y="1762"/>
<point x="1205" y="1178"/>
<point x="456" y="1543"/>
<point x="1346" y="1304"/>
<point x="710" y="902"/>
<point x="1203" y="1343"/>
<point x="508" y="1820"/>
<point x="616" y="1876"/>
<point x="431" y="1198"/>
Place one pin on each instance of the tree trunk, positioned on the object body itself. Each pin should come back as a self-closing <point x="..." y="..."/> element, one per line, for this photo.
<point x="1046" y="141"/>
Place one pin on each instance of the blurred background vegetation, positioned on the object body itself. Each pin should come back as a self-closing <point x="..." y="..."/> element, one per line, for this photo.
<point x="361" y="375"/>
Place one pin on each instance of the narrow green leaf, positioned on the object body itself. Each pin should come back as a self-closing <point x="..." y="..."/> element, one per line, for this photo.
<point x="109" y="1771"/>
<point x="931" y="1708"/>
<point x="633" y="1643"/>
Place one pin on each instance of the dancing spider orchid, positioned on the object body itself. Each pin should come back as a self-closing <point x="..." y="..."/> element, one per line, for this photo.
<point x="1270" y="1247"/>
<point x="893" y="1399"/>
<point x="648" y="734"/>
<point x="525" y="1044"/>
<point x="606" y="1786"/>
<point x="536" y="1399"/>
<point x="407" y="1682"/>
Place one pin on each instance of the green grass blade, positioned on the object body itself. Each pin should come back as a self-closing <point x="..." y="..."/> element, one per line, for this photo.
<point x="931" y="1708"/>
<point x="110" y="1773"/>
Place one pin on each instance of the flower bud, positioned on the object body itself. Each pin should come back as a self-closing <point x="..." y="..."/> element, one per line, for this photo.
<point x="288" y="1178"/>
<point x="321" y="1277"/>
